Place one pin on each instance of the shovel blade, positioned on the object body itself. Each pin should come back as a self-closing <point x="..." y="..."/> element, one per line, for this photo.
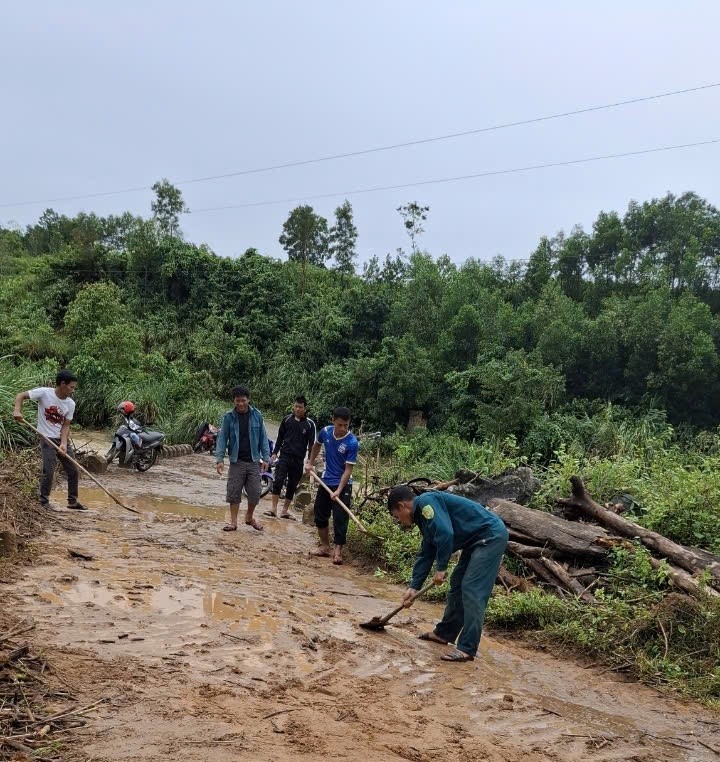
<point x="374" y="624"/>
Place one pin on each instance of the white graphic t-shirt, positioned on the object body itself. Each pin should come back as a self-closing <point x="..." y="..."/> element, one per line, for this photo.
<point x="52" y="411"/>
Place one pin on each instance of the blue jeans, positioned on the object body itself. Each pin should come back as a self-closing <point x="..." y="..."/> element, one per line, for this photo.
<point x="471" y="586"/>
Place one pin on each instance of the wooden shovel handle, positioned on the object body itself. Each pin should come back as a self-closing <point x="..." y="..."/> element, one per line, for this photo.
<point x="327" y="489"/>
<point x="402" y="606"/>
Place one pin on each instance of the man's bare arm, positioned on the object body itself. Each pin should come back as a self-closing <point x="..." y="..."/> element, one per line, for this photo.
<point x="19" y="399"/>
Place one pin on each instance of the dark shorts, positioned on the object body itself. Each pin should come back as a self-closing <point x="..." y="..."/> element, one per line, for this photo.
<point x="325" y="507"/>
<point x="243" y="476"/>
<point x="290" y="470"/>
<point x="50" y="458"/>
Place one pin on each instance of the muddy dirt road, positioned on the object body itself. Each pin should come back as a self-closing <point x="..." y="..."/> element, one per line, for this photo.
<point x="237" y="646"/>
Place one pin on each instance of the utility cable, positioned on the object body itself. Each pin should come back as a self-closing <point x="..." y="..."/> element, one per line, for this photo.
<point x="457" y="178"/>
<point x="376" y="149"/>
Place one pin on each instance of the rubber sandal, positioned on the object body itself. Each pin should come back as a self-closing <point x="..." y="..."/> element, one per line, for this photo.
<point x="288" y="516"/>
<point x="257" y="527"/>
<point x="456" y="655"/>
<point x="319" y="554"/>
<point x="338" y="561"/>
<point x="430" y="636"/>
<point x="76" y="507"/>
<point x="229" y="528"/>
<point x="271" y="514"/>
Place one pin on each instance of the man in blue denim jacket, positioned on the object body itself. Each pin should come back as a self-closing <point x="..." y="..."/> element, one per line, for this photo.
<point x="242" y="435"/>
<point x="449" y="523"/>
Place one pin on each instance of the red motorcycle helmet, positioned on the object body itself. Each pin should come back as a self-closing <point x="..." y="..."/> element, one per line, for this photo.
<point x="126" y="408"/>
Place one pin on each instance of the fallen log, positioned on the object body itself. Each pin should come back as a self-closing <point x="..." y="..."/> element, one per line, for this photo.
<point x="531" y="551"/>
<point x="686" y="558"/>
<point x="570" y="537"/>
<point x="569" y="583"/>
<point x="546" y="576"/>
<point x="550" y="570"/>
<point x="587" y="577"/>
<point x="684" y="581"/>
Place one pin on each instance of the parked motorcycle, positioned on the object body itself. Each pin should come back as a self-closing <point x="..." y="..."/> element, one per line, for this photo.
<point x="133" y="445"/>
<point x="205" y="438"/>
<point x="267" y="477"/>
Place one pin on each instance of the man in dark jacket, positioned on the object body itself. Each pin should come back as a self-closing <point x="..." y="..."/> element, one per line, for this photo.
<point x="295" y="439"/>
<point x="449" y="523"/>
<point x="242" y="435"/>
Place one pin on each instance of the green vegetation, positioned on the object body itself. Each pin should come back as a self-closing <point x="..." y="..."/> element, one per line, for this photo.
<point x="599" y="356"/>
<point x="640" y="626"/>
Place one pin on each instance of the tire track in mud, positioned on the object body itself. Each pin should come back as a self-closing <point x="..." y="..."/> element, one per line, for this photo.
<point x="238" y="646"/>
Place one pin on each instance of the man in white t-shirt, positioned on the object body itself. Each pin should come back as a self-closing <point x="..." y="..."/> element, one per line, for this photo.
<point x="56" y="408"/>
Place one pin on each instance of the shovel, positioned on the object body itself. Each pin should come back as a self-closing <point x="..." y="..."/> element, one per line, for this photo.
<point x="379" y="622"/>
<point x="84" y="470"/>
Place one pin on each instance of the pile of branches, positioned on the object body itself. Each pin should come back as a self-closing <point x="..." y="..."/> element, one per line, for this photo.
<point x="35" y="709"/>
<point x="568" y="553"/>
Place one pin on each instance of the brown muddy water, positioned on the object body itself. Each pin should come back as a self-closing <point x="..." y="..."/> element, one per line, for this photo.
<point x="238" y="646"/>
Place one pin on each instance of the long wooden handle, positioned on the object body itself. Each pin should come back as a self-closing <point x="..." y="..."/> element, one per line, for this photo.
<point x="327" y="489"/>
<point x="402" y="606"/>
<point x="82" y="468"/>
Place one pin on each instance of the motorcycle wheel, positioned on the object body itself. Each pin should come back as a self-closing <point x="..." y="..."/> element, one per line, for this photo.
<point x="420" y="481"/>
<point x="266" y="483"/>
<point x="146" y="460"/>
<point x="110" y="455"/>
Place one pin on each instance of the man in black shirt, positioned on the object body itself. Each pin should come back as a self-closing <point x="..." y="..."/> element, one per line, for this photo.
<point x="294" y="441"/>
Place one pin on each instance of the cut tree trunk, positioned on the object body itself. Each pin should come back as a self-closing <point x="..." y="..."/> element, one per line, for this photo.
<point x="686" y="558"/>
<point x="550" y="570"/>
<point x="531" y="551"/>
<point x="569" y="583"/>
<point x="686" y="582"/>
<point x="570" y="537"/>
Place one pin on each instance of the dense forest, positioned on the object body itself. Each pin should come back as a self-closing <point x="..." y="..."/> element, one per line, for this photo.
<point x="625" y="314"/>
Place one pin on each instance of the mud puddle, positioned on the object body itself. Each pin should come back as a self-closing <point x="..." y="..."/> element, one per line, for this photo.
<point x="238" y="646"/>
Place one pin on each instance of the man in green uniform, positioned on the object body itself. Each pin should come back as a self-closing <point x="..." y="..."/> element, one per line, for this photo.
<point x="449" y="523"/>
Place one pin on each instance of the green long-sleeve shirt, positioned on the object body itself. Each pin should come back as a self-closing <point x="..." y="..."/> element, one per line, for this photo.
<point x="448" y="523"/>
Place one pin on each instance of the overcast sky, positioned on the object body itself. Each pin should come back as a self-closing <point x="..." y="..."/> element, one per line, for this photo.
<point x="101" y="96"/>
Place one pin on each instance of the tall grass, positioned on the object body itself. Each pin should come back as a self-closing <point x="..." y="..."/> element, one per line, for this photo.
<point x="14" y="378"/>
<point x="439" y="456"/>
<point x="179" y="424"/>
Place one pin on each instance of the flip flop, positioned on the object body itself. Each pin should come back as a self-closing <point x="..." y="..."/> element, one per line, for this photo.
<point x="338" y="561"/>
<point x="271" y="514"/>
<point x="257" y="527"/>
<point x="76" y="507"/>
<point x="433" y="638"/>
<point x="229" y="528"/>
<point x="287" y="516"/>
<point x="456" y="655"/>
<point x="319" y="554"/>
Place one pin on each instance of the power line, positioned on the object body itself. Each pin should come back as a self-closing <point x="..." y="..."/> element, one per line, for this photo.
<point x="377" y="149"/>
<point x="457" y="178"/>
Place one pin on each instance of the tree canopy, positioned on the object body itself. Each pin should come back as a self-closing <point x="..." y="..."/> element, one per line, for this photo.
<point x="625" y="313"/>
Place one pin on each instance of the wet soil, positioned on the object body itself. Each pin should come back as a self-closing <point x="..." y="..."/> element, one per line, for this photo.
<point x="238" y="646"/>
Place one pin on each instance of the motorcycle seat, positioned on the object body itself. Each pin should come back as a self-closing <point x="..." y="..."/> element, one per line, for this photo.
<point x="151" y="437"/>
